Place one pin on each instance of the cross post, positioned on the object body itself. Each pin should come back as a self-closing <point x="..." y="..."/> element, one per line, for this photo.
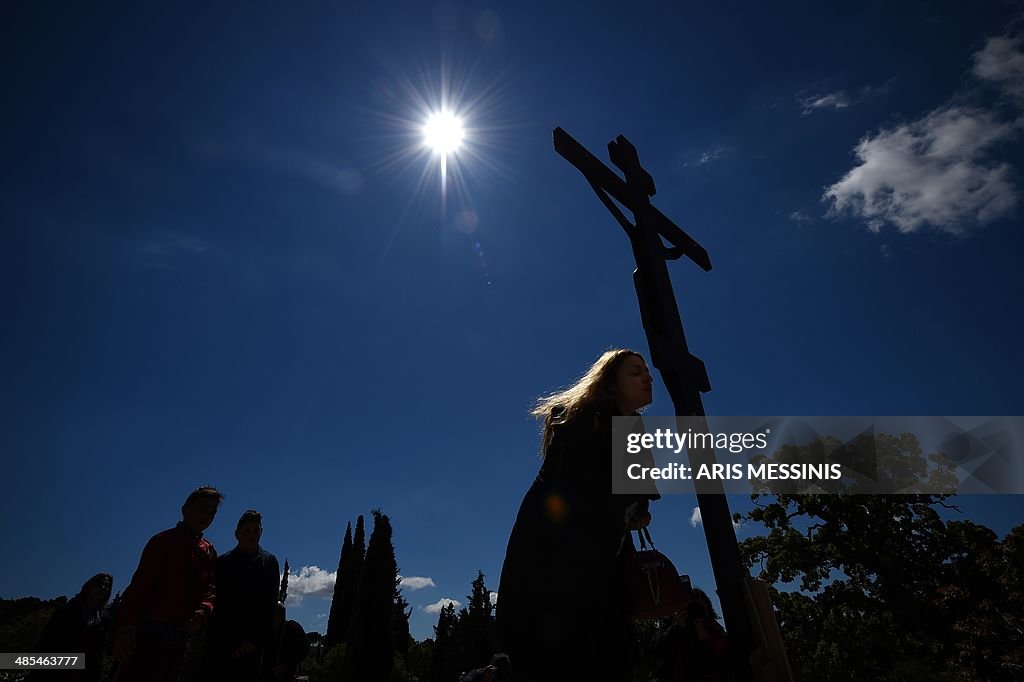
<point x="684" y="374"/>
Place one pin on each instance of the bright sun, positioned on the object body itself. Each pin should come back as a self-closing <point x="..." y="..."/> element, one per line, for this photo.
<point x="443" y="132"/>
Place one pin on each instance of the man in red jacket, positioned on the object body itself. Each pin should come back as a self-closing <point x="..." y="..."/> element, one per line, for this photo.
<point x="170" y="597"/>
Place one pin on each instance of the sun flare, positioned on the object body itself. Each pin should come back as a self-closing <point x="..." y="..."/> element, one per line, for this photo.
<point x="447" y="132"/>
<point x="443" y="132"/>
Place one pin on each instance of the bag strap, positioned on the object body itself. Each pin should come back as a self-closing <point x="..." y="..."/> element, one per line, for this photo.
<point x="645" y="539"/>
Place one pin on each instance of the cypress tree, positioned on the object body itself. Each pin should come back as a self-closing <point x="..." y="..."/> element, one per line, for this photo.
<point x="353" y="573"/>
<point x="346" y="585"/>
<point x="282" y="594"/>
<point x="371" y="648"/>
<point x="476" y="634"/>
<point x="359" y="547"/>
<point x="400" y="622"/>
<point x="443" y="660"/>
<point x="337" y="627"/>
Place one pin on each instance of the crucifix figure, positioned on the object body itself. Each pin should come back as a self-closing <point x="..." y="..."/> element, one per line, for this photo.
<point x="684" y="374"/>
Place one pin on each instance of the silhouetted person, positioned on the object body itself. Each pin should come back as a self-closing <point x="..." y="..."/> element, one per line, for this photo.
<point x="562" y="611"/>
<point x="496" y="671"/>
<point x="247" y="587"/>
<point x="287" y="650"/>
<point x="79" y="627"/>
<point x="691" y="645"/>
<point x="170" y="597"/>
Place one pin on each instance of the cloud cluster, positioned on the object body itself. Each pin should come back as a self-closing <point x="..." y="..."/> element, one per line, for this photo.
<point x="313" y="581"/>
<point x="835" y="100"/>
<point x="936" y="171"/>
<point x="840" y="99"/>
<point x="696" y="520"/>
<point x="711" y="155"/>
<point x="413" y="583"/>
<point x="310" y="581"/>
<point x="440" y="604"/>
<point x="1001" y="62"/>
<point x="940" y="171"/>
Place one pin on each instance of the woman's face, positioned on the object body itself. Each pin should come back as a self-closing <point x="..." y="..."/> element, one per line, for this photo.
<point x="633" y="385"/>
<point x="97" y="594"/>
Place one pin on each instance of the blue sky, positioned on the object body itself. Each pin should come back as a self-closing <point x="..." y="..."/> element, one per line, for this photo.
<point x="225" y="260"/>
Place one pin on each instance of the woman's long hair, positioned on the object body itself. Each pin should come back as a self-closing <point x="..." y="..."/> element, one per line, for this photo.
<point x="100" y="579"/>
<point x="596" y="385"/>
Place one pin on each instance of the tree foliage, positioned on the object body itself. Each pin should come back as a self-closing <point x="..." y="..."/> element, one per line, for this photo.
<point x="22" y="621"/>
<point x="345" y="585"/>
<point x="371" y="646"/>
<point x="282" y="592"/>
<point x="444" y="664"/>
<point x="884" y="587"/>
<point x="400" y="612"/>
<point x="359" y="546"/>
<point x="475" y="633"/>
<point x="418" y="662"/>
<point x="463" y="640"/>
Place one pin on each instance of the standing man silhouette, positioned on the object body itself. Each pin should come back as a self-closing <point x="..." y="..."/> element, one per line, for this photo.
<point x="170" y="597"/>
<point x="247" y="588"/>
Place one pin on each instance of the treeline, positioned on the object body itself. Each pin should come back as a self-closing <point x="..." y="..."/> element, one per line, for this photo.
<point x="21" y="621"/>
<point x="873" y="587"/>
<point x="368" y="626"/>
<point x="367" y="634"/>
<point x="462" y="641"/>
<point x="888" y="588"/>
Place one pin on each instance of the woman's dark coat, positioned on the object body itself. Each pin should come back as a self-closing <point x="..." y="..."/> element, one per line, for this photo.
<point x="562" y="611"/>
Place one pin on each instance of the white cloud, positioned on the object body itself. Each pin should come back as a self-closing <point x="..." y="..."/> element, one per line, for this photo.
<point x="440" y="604"/>
<point x="696" y="520"/>
<point x="711" y="155"/>
<point x="493" y="598"/>
<point x="841" y="99"/>
<point x="1001" y="61"/>
<point x="416" y="583"/>
<point x="835" y="100"/>
<point x="940" y="171"/>
<point x="692" y="158"/>
<point x="936" y="171"/>
<point x="800" y="217"/>
<point x="310" y="581"/>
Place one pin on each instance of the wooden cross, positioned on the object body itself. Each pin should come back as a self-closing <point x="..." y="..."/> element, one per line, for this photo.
<point x="684" y="374"/>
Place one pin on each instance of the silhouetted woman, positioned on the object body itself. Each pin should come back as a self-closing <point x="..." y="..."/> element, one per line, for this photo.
<point x="562" y="611"/>
<point x="80" y="626"/>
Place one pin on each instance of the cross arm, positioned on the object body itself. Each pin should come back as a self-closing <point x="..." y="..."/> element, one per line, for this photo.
<point x="601" y="176"/>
